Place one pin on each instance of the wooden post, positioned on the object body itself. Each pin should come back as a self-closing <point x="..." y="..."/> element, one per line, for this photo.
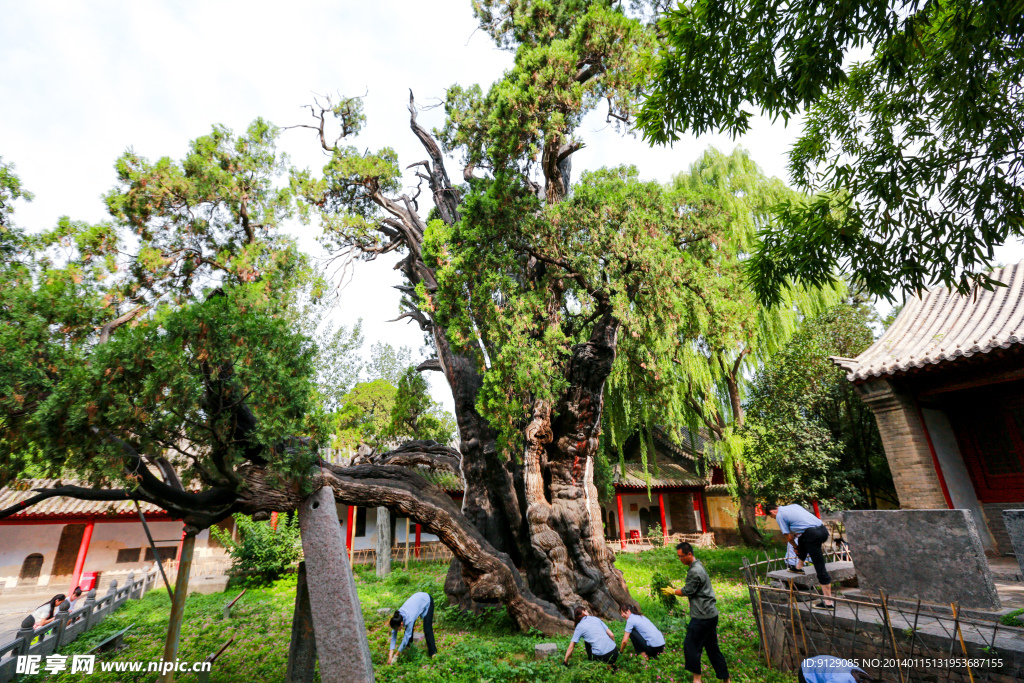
<point x="188" y="544"/>
<point x="83" y="550"/>
<point x="664" y="525"/>
<point x="350" y="523"/>
<point x="406" y="543"/>
<point x="418" y="529"/>
<point x="699" y="505"/>
<point x="273" y="521"/>
<point x="622" y="521"/>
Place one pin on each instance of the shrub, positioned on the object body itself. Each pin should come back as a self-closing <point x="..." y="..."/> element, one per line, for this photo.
<point x="659" y="581"/>
<point x="262" y="554"/>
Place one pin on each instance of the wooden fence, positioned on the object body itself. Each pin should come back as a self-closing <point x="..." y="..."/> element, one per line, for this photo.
<point x="68" y="625"/>
<point x="637" y="544"/>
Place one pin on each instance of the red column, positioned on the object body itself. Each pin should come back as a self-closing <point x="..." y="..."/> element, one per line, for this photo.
<point x="418" y="529"/>
<point x="817" y="510"/>
<point x="181" y="543"/>
<point x="349" y="529"/>
<point x="661" y="506"/>
<point x="83" y="550"/>
<point x="698" y="505"/>
<point x="273" y="521"/>
<point x="622" y="521"/>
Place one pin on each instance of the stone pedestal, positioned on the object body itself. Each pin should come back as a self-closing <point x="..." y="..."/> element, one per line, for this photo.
<point x="1014" y="520"/>
<point x="545" y="650"/>
<point x="340" y="634"/>
<point x="932" y="555"/>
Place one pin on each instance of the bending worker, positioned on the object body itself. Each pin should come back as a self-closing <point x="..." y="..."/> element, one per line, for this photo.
<point x="795" y="521"/>
<point x="597" y="638"/>
<point x="418" y="606"/>
<point x="646" y="638"/>
<point x="702" y="629"/>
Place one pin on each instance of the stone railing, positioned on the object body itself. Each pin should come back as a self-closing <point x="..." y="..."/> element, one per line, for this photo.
<point x="68" y="625"/>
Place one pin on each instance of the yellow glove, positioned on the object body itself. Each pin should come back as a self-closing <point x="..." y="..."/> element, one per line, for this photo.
<point x="668" y="590"/>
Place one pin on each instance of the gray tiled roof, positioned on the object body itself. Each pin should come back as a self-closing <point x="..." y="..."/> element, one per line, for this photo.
<point x="63" y="506"/>
<point x="669" y="474"/>
<point x="941" y="326"/>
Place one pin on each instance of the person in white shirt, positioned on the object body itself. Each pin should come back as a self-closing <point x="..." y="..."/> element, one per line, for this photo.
<point x="597" y="638"/>
<point x="45" y="613"/>
<point x="73" y="598"/>
<point x="646" y="638"/>
<point x="828" y="669"/>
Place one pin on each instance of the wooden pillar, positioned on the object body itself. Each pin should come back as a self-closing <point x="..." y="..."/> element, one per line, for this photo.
<point x="664" y="525"/>
<point x="350" y="537"/>
<point x="817" y="510"/>
<point x="622" y="521"/>
<point x="181" y="545"/>
<point x="273" y="521"/>
<point x="418" y="530"/>
<point x="699" y="505"/>
<point x="188" y="544"/>
<point x="83" y="550"/>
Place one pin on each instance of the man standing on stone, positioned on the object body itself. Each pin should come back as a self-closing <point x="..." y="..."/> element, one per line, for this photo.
<point x="418" y="606"/>
<point x="702" y="629"/>
<point x="807" y="534"/>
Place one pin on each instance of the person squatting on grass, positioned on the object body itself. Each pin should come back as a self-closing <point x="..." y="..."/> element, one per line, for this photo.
<point x="598" y="639"/>
<point x="702" y="629"/>
<point x="646" y="638"/>
<point x="418" y="606"/>
<point x="807" y="534"/>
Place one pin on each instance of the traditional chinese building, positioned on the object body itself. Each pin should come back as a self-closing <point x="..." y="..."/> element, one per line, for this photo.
<point x="946" y="384"/>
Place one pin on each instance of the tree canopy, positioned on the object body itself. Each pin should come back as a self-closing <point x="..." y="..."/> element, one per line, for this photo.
<point x="911" y="137"/>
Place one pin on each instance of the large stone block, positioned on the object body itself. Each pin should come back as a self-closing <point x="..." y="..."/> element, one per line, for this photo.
<point x="1014" y="520"/>
<point x="932" y="555"/>
<point x="340" y="634"/>
<point x="207" y="585"/>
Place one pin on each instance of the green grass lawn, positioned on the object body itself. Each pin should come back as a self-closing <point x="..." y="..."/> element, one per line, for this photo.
<point x="471" y="648"/>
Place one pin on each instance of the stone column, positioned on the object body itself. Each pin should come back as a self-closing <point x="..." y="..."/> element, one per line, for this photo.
<point x="906" y="446"/>
<point x="1014" y="520"/>
<point x="340" y="634"/>
<point x="302" y="647"/>
<point x="383" y="542"/>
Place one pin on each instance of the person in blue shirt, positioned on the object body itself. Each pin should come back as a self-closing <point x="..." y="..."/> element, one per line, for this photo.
<point x="806" y="534"/>
<point x="418" y="606"/>
<point x="597" y="638"/>
<point x="646" y="638"/>
<point x="828" y="669"/>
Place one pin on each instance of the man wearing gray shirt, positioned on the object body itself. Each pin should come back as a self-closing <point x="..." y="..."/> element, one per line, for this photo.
<point x="806" y="534"/>
<point x="702" y="629"/>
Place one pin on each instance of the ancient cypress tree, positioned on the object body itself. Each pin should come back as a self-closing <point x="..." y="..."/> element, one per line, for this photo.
<point x="161" y="357"/>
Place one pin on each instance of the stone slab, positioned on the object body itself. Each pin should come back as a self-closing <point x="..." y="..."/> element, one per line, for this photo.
<point x="1014" y="520"/>
<point x="839" y="571"/>
<point x="340" y="633"/>
<point x="302" y="646"/>
<point x="932" y="555"/>
<point x="207" y="585"/>
<point x="545" y="650"/>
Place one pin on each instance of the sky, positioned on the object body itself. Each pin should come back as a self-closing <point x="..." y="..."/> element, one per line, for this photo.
<point x="83" y="82"/>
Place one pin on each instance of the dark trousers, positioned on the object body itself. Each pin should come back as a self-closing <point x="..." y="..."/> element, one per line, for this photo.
<point x="641" y="646"/>
<point x="810" y="543"/>
<point x="428" y="628"/>
<point x="702" y="634"/>
<point x="609" y="657"/>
